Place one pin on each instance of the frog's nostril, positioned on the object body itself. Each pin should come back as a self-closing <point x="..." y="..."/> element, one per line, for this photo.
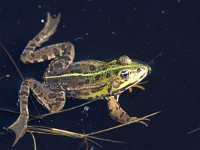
<point x="139" y="69"/>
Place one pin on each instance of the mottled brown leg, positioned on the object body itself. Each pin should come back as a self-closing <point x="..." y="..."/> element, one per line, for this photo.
<point x="30" y="55"/>
<point x="59" y="65"/>
<point x="117" y="113"/>
<point x="53" y="101"/>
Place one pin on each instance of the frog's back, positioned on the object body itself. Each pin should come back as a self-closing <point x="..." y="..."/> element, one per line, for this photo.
<point x="85" y="67"/>
<point x="81" y="79"/>
<point x="81" y="67"/>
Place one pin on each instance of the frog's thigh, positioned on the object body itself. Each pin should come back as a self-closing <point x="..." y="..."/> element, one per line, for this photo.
<point x="65" y="49"/>
<point x="53" y="101"/>
<point x="116" y="112"/>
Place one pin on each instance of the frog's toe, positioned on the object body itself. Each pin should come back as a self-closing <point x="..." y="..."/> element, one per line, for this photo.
<point x="140" y="120"/>
<point x="19" y="127"/>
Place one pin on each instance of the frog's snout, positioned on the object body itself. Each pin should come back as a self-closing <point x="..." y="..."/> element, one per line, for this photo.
<point x="143" y="70"/>
<point x="148" y="69"/>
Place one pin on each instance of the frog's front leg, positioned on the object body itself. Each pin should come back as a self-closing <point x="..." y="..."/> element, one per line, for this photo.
<point x="118" y="114"/>
<point x="50" y="99"/>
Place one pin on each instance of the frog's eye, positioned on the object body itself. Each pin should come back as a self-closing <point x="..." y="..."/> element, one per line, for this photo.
<point x="124" y="74"/>
<point x="124" y="60"/>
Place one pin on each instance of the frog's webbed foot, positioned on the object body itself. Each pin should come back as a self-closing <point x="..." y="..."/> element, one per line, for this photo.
<point x="19" y="127"/>
<point x="43" y="36"/>
<point x="118" y="114"/>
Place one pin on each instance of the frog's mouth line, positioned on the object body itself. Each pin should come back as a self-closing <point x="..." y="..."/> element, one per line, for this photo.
<point x="130" y="85"/>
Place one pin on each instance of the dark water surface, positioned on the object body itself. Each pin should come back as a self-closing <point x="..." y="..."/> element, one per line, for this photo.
<point x="105" y="30"/>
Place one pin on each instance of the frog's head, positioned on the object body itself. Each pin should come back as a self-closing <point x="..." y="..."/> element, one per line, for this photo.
<point x="128" y="74"/>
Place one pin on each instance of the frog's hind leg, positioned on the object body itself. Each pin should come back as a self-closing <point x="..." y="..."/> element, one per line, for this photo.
<point x="118" y="114"/>
<point x="52" y="100"/>
<point x="31" y="55"/>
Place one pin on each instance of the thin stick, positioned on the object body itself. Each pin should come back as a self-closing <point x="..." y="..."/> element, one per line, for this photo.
<point x="195" y="130"/>
<point x="2" y="77"/>
<point x="59" y="132"/>
<point x="15" y="112"/>
<point x="10" y="57"/>
<point x="18" y="70"/>
<point x="54" y="131"/>
<point x="95" y="143"/>
<point x="45" y="115"/>
<point x="155" y="57"/>
<point x="64" y="110"/>
<point x="34" y="141"/>
<point x="107" y="140"/>
<point x="122" y="125"/>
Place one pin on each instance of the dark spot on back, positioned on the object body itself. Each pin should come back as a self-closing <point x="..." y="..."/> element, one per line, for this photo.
<point x="92" y="67"/>
<point x="95" y="90"/>
<point x="108" y="75"/>
<point x="72" y="71"/>
<point x="85" y="93"/>
<point x="81" y="83"/>
<point x="58" y="65"/>
<point x="97" y="77"/>
<point x="97" y="97"/>
<point x="78" y="70"/>
<point x="77" y="92"/>
<point x="50" y="68"/>
<point x="76" y="65"/>
<point x="102" y="95"/>
<point x="75" y="70"/>
<point x="104" y="68"/>
<point x="87" y="81"/>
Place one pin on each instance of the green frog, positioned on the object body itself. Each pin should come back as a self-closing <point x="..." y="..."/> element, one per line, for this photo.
<point x="89" y="80"/>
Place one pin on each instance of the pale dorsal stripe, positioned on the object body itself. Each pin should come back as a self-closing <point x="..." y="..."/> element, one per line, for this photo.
<point x="89" y="74"/>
